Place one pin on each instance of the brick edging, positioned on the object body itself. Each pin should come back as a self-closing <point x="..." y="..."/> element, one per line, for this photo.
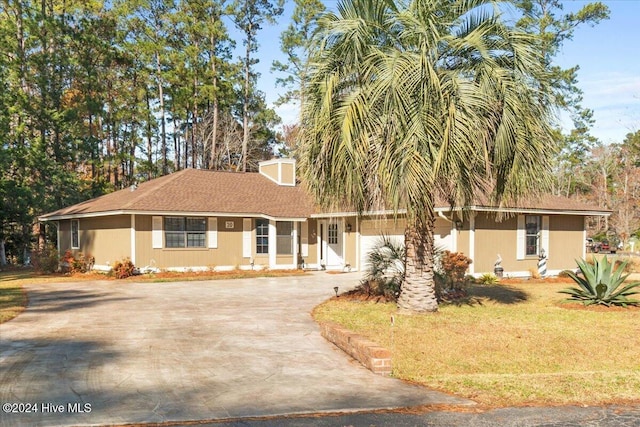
<point x="377" y="359"/>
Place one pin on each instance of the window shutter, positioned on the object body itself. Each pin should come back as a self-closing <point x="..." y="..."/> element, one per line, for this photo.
<point x="544" y="235"/>
<point x="305" y="239"/>
<point x="246" y="238"/>
<point x="156" y="234"/>
<point x="213" y="232"/>
<point x="520" y="238"/>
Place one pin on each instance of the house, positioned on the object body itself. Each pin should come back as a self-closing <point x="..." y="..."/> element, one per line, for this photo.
<point x="201" y="219"/>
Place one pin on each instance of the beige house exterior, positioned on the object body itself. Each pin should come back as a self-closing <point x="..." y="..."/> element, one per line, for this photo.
<point x="211" y="220"/>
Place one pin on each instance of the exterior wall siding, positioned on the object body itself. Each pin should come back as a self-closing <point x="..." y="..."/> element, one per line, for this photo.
<point x="228" y="252"/>
<point x="566" y="241"/>
<point x="270" y="170"/>
<point x="312" y="242"/>
<point x="64" y="235"/>
<point x="288" y="173"/>
<point x="493" y="238"/>
<point x="350" y="237"/>
<point x="107" y="239"/>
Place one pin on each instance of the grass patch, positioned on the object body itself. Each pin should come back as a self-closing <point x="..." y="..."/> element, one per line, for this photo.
<point x="13" y="298"/>
<point x="508" y="344"/>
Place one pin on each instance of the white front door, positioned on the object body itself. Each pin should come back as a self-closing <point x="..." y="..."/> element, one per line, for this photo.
<point x="330" y="233"/>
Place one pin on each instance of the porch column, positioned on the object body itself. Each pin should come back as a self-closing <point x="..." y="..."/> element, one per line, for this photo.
<point x="273" y="244"/>
<point x="472" y="241"/>
<point x="133" y="239"/>
<point x="294" y="243"/>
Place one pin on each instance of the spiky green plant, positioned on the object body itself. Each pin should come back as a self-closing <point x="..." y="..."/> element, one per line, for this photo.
<point x="488" y="279"/>
<point x="599" y="284"/>
<point x="385" y="265"/>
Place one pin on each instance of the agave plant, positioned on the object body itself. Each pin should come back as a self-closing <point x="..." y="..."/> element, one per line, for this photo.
<point x="599" y="284"/>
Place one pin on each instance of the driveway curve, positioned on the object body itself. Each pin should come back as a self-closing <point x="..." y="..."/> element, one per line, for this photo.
<point x="131" y="352"/>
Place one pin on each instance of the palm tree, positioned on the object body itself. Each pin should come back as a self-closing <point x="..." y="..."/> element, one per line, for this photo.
<point x="412" y="102"/>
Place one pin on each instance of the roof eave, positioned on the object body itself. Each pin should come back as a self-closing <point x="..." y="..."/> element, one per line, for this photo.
<point x="541" y="211"/>
<point x="46" y="218"/>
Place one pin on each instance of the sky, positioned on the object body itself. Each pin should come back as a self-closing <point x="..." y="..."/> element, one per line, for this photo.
<point x="608" y="56"/>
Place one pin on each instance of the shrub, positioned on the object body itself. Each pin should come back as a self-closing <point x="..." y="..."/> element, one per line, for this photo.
<point x="45" y="260"/>
<point x="385" y="268"/>
<point x="534" y="273"/>
<point x="454" y="266"/>
<point x="600" y="284"/>
<point x="123" y="269"/>
<point x="78" y="263"/>
<point x="488" y="279"/>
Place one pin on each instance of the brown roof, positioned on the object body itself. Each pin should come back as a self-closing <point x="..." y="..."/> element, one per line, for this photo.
<point x="194" y="190"/>
<point x="204" y="191"/>
<point x="550" y="203"/>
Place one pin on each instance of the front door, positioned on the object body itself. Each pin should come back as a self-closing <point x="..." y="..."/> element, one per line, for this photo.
<point x="330" y="233"/>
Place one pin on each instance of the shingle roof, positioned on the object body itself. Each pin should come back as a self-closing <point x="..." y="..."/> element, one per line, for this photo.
<point x="549" y="203"/>
<point x="194" y="190"/>
<point x="249" y="194"/>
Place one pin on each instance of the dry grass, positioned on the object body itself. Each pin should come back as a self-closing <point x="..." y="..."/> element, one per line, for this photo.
<point x="13" y="299"/>
<point x="510" y="344"/>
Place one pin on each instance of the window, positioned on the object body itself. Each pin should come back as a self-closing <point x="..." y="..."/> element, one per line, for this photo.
<point x="262" y="236"/>
<point x="181" y="232"/>
<point x="284" y="237"/>
<point x="75" y="233"/>
<point x="333" y="234"/>
<point x="532" y="229"/>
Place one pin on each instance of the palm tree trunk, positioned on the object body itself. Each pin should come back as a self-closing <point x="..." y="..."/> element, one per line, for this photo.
<point x="418" y="293"/>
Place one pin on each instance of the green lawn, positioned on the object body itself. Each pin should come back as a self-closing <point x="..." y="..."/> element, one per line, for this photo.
<point x="514" y="344"/>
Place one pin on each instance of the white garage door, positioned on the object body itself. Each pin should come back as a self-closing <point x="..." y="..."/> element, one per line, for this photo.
<point x="372" y="231"/>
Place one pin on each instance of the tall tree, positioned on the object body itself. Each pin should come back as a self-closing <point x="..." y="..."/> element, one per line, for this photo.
<point x="295" y="42"/>
<point x="552" y="27"/>
<point x="409" y="102"/>
<point x="625" y="195"/>
<point x="250" y="16"/>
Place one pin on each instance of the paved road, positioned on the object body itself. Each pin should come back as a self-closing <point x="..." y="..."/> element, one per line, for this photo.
<point x="124" y="352"/>
<point x="562" y="416"/>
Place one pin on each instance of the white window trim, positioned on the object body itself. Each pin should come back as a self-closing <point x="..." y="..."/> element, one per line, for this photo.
<point x="132" y="236"/>
<point x="246" y="238"/>
<point x="304" y="239"/>
<point x="212" y="232"/>
<point x="521" y="237"/>
<point x="544" y="235"/>
<point x="156" y="233"/>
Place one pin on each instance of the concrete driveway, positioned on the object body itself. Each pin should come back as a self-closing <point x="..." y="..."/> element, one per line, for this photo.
<point x="123" y="352"/>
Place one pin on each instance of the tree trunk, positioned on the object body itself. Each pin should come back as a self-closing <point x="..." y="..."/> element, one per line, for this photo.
<point x="3" y="254"/>
<point x="163" y="130"/>
<point x="214" y="134"/>
<point x="418" y="293"/>
<point x="42" y="236"/>
<point x="245" y="104"/>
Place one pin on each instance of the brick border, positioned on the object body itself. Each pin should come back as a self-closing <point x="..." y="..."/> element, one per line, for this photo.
<point x="375" y="358"/>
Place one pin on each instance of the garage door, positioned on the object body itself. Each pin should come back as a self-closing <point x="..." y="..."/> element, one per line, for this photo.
<point x="372" y="231"/>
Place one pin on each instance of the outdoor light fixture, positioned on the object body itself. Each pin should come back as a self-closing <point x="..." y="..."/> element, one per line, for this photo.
<point x="458" y="224"/>
<point x="348" y="228"/>
<point x="335" y="288"/>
